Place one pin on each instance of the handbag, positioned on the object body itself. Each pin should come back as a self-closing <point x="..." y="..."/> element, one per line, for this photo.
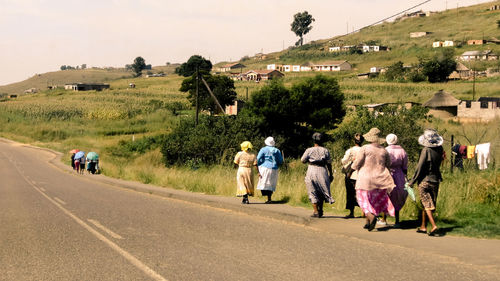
<point x="348" y="170"/>
<point x="410" y="191"/>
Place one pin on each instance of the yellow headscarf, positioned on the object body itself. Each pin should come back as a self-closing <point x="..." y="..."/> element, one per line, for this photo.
<point x="246" y="145"/>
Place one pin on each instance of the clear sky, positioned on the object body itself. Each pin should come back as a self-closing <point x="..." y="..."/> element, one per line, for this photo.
<point x="39" y="36"/>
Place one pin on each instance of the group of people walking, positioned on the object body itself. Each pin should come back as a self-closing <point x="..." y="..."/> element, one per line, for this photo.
<point x="375" y="176"/>
<point x="79" y="161"/>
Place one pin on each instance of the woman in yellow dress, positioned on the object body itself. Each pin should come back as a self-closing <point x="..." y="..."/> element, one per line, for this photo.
<point x="244" y="177"/>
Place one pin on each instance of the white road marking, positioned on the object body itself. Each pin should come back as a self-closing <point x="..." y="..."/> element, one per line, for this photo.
<point x="133" y="260"/>
<point x="59" y="200"/>
<point x="103" y="228"/>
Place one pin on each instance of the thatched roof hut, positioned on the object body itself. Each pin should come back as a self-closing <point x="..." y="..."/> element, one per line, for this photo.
<point x="442" y="104"/>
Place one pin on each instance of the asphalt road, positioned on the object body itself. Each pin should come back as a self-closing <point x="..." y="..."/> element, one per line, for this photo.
<point x="57" y="225"/>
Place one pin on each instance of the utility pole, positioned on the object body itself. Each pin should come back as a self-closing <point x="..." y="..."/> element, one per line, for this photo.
<point x="197" y="94"/>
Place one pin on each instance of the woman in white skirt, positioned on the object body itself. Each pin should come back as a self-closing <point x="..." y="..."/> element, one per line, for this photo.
<point x="268" y="161"/>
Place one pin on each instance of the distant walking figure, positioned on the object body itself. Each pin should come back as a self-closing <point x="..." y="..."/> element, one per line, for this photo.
<point x="268" y="161"/>
<point x="374" y="180"/>
<point x="428" y="176"/>
<point x="244" y="177"/>
<point x="399" y="167"/>
<point x="319" y="174"/>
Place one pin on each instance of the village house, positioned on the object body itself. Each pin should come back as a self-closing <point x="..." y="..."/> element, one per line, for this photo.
<point x="461" y="72"/>
<point x="86" y="87"/>
<point x="287" y="68"/>
<point x="31" y="91"/>
<point x="448" y="43"/>
<point x="332" y="66"/>
<point x="442" y="105"/>
<point x="374" y="48"/>
<point x="484" y="109"/>
<point x="306" y="66"/>
<point x="437" y="44"/>
<point x="476" y="42"/>
<point x="479" y="55"/>
<point x="334" y="49"/>
<point x="235" y="108"/>
<point x="494" y="7"/>
<point x="231" y="66"/>
<point x="258" y="75"/>
<point x="419" y="34"/>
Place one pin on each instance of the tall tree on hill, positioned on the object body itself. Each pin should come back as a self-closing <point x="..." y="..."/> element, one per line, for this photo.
<point x="138" y="65"/>
<point x="195" y="62"/>
<point x="301" y="25"/>
<point x="440" y="66"/>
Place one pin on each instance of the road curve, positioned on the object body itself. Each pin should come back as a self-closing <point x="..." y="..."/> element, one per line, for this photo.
<point x="57" y="225"/>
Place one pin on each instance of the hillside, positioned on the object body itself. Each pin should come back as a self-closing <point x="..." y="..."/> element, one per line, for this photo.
<point x="59" y="78"/>
<point x="466" y="23"/>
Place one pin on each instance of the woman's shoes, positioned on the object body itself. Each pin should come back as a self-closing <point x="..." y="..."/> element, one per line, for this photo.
<point x="372" y="224"/>
<point x="421" y="231"/>
<point x="315" y="215"/>
<point x="320" y="214"/>
<point x="434" y="233"/>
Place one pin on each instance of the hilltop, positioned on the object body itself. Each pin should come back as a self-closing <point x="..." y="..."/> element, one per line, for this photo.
<point x="91" y="75"/>
<point x="458" y="25"/>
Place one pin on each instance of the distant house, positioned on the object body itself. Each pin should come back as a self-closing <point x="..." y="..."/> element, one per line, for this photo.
<point x="296" y="68"/>
<point x="494" y="7"/>
<point x="231" y="66"/>
<point x="258" y="75"/>
<point x="419" y="34"/>
<point x="442" y="105"/>
<point x="476" y="42"/>
<point x="437" y="44"/>
<point x="376" y="69"/>
<point x="334" y="49"/>
<point x="374" y="48"/>
<point x="479" y="55"/>
<point x="306" y="66"/>
<point x="368" y="75"/>
<point x="31" y="91"/>
<point x="287" y="68"/>
<point x="448" y="43"/>
<point x="235" y="108"/>
<point x="260" y="56"/>
<point x="332" y="66"/>
<point x="484" y="109"/>
<point x="86" y="87"/>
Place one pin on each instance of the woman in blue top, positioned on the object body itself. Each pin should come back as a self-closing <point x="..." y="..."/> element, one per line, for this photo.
<point x="268" y="161"/>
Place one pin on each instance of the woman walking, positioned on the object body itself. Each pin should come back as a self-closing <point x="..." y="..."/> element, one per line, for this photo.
<point x="319" y="175"/>
<point x="351" y="175"/>
<point x="244" y="177"/>
<point x="428" y="176"/>
<point x="374" y="180"/>
<point x="268" y="161"/>
<point x="398" y="169"/>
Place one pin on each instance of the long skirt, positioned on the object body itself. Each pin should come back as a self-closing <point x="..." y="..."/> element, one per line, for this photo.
<point x="268" y="179"/>
<point x="350" y="194"/>
<point x="318" y="185"/>
<point x="398" y="197"/>
<point x="244" y="181"/>
<point x="374" y="201"/>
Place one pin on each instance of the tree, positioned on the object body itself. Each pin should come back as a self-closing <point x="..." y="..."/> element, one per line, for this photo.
<point x="301" y="25"/>
<point x="395" y="71"/>
<point x="322" y="94"/>
<point x="63" y="67"/>
<point x="439" y="67"/>
<point x="138" y="65"/>
<point x="292" y="115"/>
<point x="189" y="68"/>
<point x="222" y="87"/>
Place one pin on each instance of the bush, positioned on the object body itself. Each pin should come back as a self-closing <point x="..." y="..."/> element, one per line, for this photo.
<point x="402" y="122"/>
<point x="216" y="139"/>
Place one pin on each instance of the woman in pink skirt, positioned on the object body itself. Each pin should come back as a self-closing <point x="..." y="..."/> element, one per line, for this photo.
<point x="374" y="179"/>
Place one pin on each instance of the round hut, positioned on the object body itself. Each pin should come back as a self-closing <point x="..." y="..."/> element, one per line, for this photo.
<point x="442" y="105"/>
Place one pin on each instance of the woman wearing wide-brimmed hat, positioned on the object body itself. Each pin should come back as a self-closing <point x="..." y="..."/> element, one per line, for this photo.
<point x="268" y="161"/>
<point x="246" y="160"/>
<point x="319" y="174"/>
<point x="374" y="180"/>
<point x="428" y="176"/>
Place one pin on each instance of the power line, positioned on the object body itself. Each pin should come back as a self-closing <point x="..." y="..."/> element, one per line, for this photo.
<point x="382" y="20"/>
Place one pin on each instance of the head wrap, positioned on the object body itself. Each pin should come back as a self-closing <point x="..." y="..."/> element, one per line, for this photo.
<point x="246" y="145"/>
